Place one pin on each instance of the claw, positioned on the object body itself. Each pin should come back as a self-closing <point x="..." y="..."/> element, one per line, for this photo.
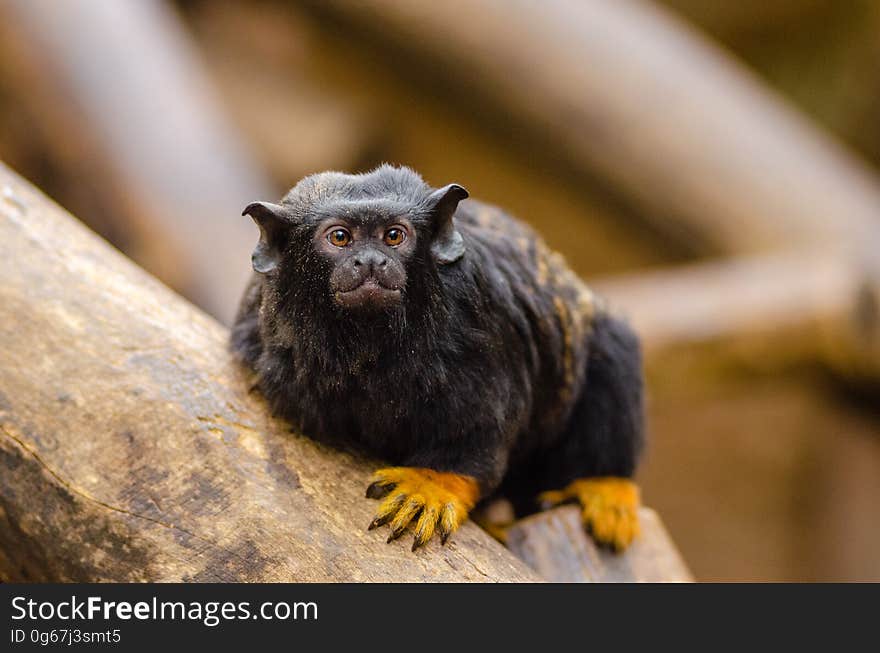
<point x="387" y="511"/>
<point x="405" y="515"/>
<point x="394" y="535"/>
<point x="425" y="527"/>
<point x="380" y="521"/>
<point x="448" y="522"/>
<point x="379" y="489"/>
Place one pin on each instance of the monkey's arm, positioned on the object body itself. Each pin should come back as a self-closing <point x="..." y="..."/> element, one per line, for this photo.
<point x="437" y="489"/>
<point x="595" y="459"/>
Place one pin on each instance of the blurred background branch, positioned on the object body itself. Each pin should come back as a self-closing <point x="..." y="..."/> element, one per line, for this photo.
<point x="133" y="91"/>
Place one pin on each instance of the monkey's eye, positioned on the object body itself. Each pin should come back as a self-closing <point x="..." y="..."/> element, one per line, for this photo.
<point x="394" y="236"/>
<point x="339" y="237"/>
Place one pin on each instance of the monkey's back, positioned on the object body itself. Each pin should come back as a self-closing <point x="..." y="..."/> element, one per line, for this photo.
<point x="551" y="307"/>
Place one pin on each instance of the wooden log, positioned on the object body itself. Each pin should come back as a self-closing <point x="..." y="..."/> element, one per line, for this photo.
<point x="555" y="545"/>
<point x="132" y="450"/>
<point x="132" y="447"/>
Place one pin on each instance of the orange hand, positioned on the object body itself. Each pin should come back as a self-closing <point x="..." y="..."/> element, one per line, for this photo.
<point x="609" y="508"/>
<point x="433" y="500"/>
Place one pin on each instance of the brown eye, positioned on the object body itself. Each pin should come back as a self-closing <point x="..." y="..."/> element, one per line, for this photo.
<point x="339" y="237"/>
<point x="394" y="236"/>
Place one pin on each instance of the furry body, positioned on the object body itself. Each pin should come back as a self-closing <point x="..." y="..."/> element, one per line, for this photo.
<point x="500" y="365"/>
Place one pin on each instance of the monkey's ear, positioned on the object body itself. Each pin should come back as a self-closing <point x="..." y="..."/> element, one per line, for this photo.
<point x="448" y="245"/>
<point x="274" y="224"/>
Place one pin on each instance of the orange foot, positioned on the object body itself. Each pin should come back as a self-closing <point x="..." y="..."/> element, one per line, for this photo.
<point x="610" y="508"/>
<point x="440" y="500"/>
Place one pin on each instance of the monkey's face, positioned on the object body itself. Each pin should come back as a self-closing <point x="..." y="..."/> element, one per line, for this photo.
<point x="368" y="259"/>
<point x="356" y="241"/>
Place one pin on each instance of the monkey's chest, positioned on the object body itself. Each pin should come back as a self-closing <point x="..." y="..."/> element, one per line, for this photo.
<point x="365" y="399"/>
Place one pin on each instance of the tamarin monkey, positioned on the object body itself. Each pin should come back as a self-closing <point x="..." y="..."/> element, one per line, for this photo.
<point x="443" y="337"/>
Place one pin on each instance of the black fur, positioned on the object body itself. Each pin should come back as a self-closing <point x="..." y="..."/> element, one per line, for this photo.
<point x="499" y="364"/>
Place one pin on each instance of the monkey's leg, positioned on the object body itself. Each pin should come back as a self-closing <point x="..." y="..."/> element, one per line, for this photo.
<point x="432" y="500"/>
<point x="596" y="458"/>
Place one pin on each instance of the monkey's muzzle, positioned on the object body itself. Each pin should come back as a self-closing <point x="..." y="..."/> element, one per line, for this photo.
<point x="369" y="295"/>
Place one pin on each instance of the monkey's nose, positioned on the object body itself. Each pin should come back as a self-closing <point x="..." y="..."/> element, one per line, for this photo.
<point x="371" y="259"/>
